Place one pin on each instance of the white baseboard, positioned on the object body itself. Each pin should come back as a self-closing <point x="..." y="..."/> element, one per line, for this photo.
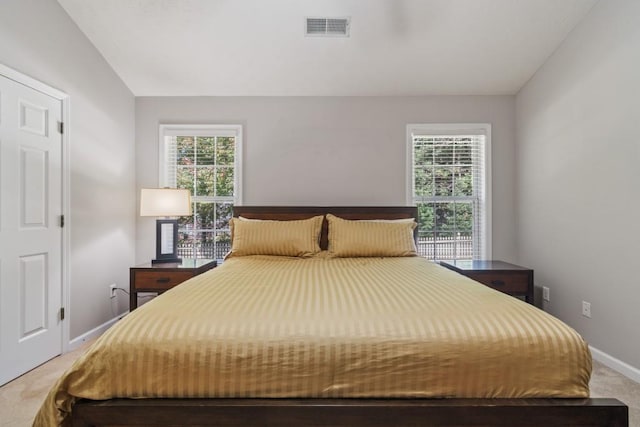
<point x="625" y="369"/>
<point x="93" y="333"/>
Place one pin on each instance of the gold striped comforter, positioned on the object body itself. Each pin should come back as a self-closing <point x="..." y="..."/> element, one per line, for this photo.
<point x="263" y="326"/>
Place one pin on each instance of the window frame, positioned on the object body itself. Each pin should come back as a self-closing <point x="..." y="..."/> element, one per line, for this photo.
<point x="200" y="130"/>
<point x="445" y="129"/>
<point x="203" y="130"/>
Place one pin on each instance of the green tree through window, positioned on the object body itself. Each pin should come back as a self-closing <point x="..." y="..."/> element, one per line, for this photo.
<point x="204" y="161"/>
<point x="448" y="187"/>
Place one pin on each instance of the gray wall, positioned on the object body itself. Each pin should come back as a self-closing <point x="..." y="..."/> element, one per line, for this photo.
<point x="578" y="173"/>
<point x="39" y="39"/>
<point x="330" y="150"/>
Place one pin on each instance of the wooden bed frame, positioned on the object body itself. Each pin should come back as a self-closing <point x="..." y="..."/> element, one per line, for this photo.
<point x="545" y="412"/>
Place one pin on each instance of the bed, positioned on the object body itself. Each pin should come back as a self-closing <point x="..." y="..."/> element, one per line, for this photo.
<point x="332" y="340"/>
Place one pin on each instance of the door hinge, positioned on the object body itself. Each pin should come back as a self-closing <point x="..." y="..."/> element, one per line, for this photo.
<point x="61" y="220"/>
<point x="61" y="127"/>
<point x="61" y="313"/>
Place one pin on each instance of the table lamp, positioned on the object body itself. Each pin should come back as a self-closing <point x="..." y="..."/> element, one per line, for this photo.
<point x="165" y="202"/>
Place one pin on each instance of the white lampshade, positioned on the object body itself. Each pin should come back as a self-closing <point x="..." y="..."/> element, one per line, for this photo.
<point x="164" y="202"/>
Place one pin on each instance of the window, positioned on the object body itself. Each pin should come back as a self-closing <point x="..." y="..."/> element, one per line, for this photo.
<point x="449" y="182"/>
<point x="206" y="160"/>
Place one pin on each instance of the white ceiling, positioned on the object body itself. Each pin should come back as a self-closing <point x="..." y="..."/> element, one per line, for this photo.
<point x="258" y="47"/>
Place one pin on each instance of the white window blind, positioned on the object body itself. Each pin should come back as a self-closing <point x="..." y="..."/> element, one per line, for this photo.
<point x="449" y="182"/>
<point x="205" y="160"/>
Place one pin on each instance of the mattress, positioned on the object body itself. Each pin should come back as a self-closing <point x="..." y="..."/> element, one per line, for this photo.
<point x="322" y="327"/>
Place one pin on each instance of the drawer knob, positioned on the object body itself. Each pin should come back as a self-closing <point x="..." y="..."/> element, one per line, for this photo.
<point x="163" y="280"/>
<point x="497" y="282"/>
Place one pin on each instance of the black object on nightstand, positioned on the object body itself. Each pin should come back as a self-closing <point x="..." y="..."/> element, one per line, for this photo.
<point x="505" y="277"/>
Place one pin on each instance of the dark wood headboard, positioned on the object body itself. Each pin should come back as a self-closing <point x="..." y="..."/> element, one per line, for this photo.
<point x="287" y="213"/>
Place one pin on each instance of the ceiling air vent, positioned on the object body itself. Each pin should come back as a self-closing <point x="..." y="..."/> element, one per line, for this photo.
<point x="328" y="27"/>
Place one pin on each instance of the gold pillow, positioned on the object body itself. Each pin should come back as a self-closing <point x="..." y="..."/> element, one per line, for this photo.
<point x="384" y="238"/>
<point x="283" y="238"/>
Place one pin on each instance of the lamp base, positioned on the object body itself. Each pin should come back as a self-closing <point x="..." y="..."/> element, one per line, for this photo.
<point x="167" y="261"/>
<point x="166" y="242"/>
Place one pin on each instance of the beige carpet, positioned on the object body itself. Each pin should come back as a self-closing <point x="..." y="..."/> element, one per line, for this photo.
<point x="606" y="382"/>
<point x="21" y="398"/>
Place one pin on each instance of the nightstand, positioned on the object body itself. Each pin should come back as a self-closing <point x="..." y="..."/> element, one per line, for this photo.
<point x="162" y="277"/>
<point x="508" y="278"/>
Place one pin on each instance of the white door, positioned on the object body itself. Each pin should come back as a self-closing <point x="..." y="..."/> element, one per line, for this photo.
<point x="30" y="228"/>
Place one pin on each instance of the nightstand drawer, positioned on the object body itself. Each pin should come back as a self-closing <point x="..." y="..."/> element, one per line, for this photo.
<point x="161" y="277"/>
<point x="512" y="282"/>
<point x="509" y="278"/>
<point x="160" y="280"/>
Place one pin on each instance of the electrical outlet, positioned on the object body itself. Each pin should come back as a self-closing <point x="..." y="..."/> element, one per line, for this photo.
<point x="586" y="309"/>
<point x="545" y="293"/>
<point x="112" y="290"/>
